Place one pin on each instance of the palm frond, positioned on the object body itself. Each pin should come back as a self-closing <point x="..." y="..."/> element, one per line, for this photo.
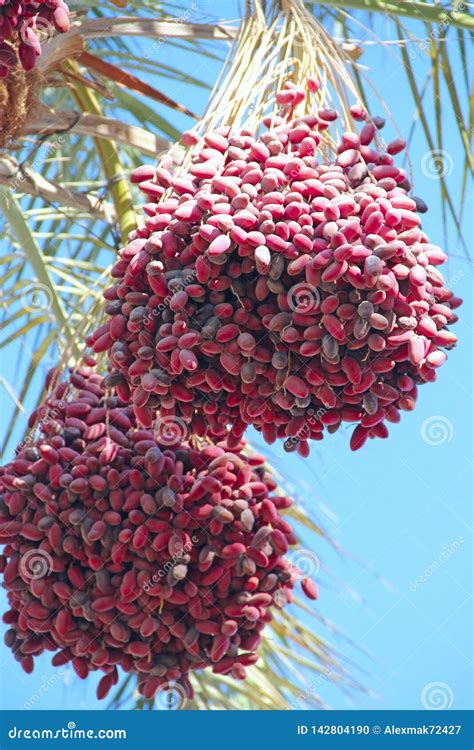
<point x="420" y="11"/>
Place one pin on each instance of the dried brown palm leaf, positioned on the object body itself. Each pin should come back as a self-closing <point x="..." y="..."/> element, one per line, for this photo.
<point x="48" y="122"/>
<point x="111" y="72"/>
<point x="16" y="177"/>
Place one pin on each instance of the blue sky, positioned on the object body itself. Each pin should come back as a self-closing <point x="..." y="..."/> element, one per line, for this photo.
<point x="400" y="509"/>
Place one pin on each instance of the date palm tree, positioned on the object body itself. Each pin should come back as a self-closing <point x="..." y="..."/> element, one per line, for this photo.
<point x="93" y="109"/>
